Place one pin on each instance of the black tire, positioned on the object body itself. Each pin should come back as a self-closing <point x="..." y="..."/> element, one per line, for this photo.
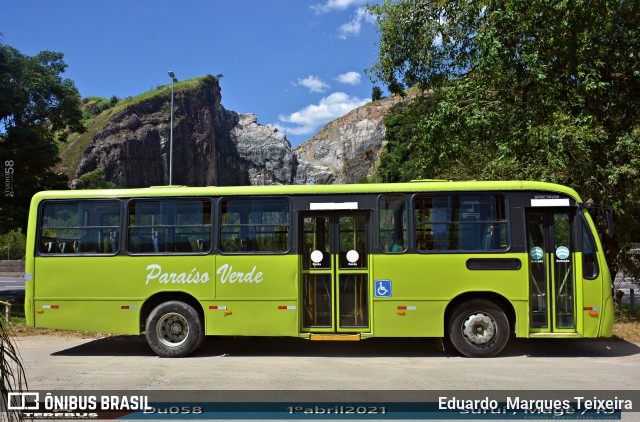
<point x="478" y="329"/>
<point x="174" y="329"/>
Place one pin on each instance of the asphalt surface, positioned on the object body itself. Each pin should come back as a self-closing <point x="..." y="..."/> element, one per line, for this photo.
<point x="125" y="362"/>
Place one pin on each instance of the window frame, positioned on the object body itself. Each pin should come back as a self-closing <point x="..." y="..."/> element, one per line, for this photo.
<point x="180" y="199"/>
<point x="449" y="196"/>
<point x="586" y="228"/>
<point x="77" y="201"/>
<point x="407" y="222"/>
<point x="220" y="226"/>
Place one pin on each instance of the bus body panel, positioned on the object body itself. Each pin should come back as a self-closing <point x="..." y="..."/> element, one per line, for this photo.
<point x="408" y="318"/>
<point x="604" y="281"/>
<point x="255" y="295"/>
<point x="258" y="317"/>
<point x="117" y="316"/>
<point x="261" y="294"/>
<point x="590" y="313"/>
<point x="134" y="277"/>
<point x="256" y="277"/>
<point x="107" y="292"/>
<point x="426" y="283"/>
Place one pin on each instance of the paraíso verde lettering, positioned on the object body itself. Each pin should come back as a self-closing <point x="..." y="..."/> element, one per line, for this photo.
<point x="155" y="271"/>
<point x="227" y="274"/>
<point x="194" y="277"/>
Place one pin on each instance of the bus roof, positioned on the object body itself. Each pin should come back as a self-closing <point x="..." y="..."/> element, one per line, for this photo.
<point x="414" y="186"/>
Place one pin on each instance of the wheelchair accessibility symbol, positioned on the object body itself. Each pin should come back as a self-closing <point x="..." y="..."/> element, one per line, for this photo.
<point x="383" y="288"/>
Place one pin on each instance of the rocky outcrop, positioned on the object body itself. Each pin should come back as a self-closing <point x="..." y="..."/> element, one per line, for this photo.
<point x="211" y="146"/>
<point x="133" y="146"/>
<point x="264" y="153"/>
<point x="347" y="150"/>
<point x="214" y="146"/>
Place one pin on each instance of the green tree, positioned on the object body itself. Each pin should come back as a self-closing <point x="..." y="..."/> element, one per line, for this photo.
<point x="376" y="93"/>
<point x="517" y="90"/>
<point x="13" y="245"/>
<point x="37" y="110"/>
<point x="94" y="180"/>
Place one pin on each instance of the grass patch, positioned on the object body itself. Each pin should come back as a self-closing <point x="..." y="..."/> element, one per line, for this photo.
<point x="627" y="324"/>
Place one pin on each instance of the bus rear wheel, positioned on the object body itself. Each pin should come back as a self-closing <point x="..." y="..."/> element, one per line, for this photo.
<point x="478" y="328"/>
<point x="174" y="329"/>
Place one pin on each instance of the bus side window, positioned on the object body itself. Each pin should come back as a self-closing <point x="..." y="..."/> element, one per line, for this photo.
<point x="254" y="225"/>
<point x="590" y="268"/>
<point x="77" y="227"/>
<point x="392" y="224"/>
<point x="172" y="226"/>
<point x="461" y="223"/>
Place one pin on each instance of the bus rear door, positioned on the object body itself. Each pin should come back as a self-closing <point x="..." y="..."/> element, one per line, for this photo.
<point x="334" y="248"/>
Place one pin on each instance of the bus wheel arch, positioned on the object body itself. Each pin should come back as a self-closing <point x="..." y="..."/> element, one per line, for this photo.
<point x="173" y="324"/>
<point x="479" y="324"/>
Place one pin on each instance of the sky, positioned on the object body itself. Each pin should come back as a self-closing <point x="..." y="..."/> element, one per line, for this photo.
<point x="295" y="64"/>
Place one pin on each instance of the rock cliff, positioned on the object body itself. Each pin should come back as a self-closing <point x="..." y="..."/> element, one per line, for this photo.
<point x="133" y="145"/>
<point x="215" y="146"/>
<point x="346" y="150"/>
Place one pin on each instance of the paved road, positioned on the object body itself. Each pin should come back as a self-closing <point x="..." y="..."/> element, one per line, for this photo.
<point x="126" y="362"/>
<point x="281" y="368"/>
<point x="11" y="283"/>
<point x="284" y="367"/>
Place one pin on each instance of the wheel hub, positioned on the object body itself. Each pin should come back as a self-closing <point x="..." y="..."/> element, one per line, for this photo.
<point x="172" y="329"/>
<point x="479" y="329"/>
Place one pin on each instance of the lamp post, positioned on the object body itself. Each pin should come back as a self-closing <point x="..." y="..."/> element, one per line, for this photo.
<point x="173" y="81"/>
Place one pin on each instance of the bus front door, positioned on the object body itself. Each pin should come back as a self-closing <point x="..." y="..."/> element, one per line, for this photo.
<point x="334" y="249"/>
<point x="552" y="286"/>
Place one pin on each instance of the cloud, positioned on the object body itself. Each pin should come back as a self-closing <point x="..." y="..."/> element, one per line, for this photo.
<point x="354" y="26"/>
<point x="311" y="117"/>
<point x="314" y="84"/>
<point x="349" y="78"/>
<point x="331" y="5"/>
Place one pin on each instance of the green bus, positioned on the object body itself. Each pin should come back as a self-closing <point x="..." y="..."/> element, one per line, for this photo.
<point x="473" y="262"/>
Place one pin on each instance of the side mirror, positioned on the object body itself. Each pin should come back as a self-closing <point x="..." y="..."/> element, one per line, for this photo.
<point x="611" y="228"/>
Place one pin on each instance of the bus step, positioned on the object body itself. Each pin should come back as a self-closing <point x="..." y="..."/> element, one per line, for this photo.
<point x="334" y="337"/>
<point x="552" y="335"/>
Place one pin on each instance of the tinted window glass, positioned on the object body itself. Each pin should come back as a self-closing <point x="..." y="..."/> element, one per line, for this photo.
<point x="392" y="223"/>
<point x="169" y="226"/>
<point x="590" y="267"/>
<point x="461" y="223"/>
<point x="254" y="225"/>
<point x="91" y="227"/>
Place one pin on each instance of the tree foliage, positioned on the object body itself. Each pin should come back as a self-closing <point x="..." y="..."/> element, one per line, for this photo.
<point x="94" y="180"/>
<point x="376" y="93"/>
<point x="37" y="109"/>
<point x="517" y="90"/>
<point x="13" y="245"/>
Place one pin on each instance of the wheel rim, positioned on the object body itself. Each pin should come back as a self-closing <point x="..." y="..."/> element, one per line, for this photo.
<point x="479" y="329"/>
<point x="172" y="329"/>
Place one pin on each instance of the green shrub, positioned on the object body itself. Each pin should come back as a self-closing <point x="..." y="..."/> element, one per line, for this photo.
<point x="13" y="245"/>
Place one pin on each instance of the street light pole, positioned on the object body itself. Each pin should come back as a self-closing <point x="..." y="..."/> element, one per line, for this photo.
<point x="173" y="80"/>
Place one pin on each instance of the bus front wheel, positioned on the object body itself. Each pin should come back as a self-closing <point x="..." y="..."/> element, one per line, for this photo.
<point x="478" y="328"/>
<point x="174" y="329"/>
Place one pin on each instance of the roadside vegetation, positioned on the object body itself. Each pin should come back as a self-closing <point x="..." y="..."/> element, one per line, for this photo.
<point x="518" y="90"/>
<point x="12" y="375"/>
<point x="627" y="324"/>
